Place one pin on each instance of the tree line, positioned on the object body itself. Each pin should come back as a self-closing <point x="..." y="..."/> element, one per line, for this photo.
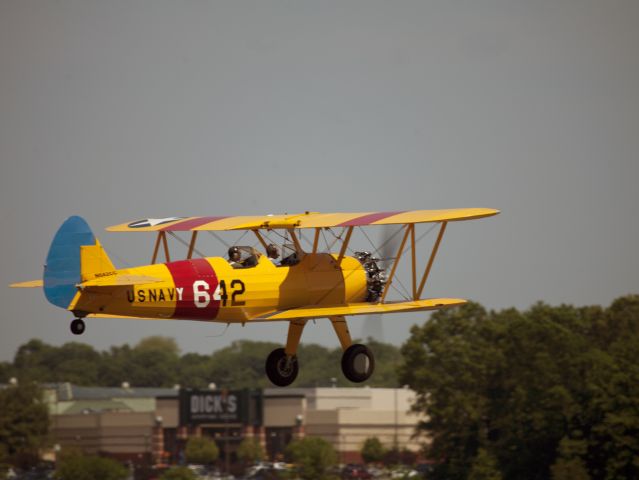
<point x="550" y="392"/>
<point x="157" y="362"/>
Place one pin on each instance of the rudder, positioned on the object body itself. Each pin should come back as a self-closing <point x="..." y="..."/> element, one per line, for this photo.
<point x="73" y="254"/>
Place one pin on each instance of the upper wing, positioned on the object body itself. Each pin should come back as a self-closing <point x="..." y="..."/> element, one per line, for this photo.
<point x="303" y="220"/>
<point x="315" y="311"/>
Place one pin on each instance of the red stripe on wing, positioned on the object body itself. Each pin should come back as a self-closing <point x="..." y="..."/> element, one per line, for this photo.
<point x="368" y="219"/>
<point x="192" y="223"/>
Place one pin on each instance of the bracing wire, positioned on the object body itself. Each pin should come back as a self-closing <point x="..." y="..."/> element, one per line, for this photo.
<point x="406" y="248"/>
<point x="325" y="241"/>
<point x="377" y="250"/>
<point x="241" y="237"/>
<point x="185" y="243"/>
<point x="337" y="237"/>
<point x="121" y="260"/>
<point x="218" y="238"/>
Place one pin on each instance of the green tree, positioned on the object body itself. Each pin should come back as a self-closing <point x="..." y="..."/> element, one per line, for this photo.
<point x="241" y="365"/>
<point x="387" y="360"/>
<point x="178" y="473"/>
<point x="31" y="361"/>
<point x="72" y="362"/>
<point x="153" y="362"/>
<point x="4" y="466"/>
<point x="24" y="422"/>
<point x="88" y="467"/>
<point x="157" y="342"/>
<point x="569" y="469"/>
<point x="201" y="450"/>
<point x="484" y="467"/>
<point x="373" y="450"/>
<point x="115" y="366"/>
<point x="314" y="457"/>
<point x="156" y="362"/>
<point x="195" y="370"/>
<point x="318" y="365"/>
<point x="250" y="450"/>
<point x="6" y="372"/>
<point x="548" y="387"/>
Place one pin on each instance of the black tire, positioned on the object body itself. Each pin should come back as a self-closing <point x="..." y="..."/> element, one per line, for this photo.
<point x="358" y="363"/>
<point x="279" y="369"/>
<point x="78" y="326"/>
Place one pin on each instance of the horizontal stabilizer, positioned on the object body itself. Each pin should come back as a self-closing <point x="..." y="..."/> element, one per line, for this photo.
<point x="316" y="311"/>
<point x="119" y="281"/>
<point x="29" y="284"/>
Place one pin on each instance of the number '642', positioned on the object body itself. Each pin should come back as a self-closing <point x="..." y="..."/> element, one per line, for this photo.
<point x="202" y="297"/>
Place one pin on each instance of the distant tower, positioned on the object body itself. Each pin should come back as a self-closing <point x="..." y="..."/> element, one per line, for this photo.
<point x="373" y="327"/>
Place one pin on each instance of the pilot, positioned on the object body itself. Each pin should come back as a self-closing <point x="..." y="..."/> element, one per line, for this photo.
<point x="234" y="257"/>
<point x="273" y="253"/>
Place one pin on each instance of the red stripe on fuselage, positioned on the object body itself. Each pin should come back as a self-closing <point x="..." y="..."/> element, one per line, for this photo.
<point x="198" y="282"/>
<point x="368" y="219"/>
<point x="192" y="223"/>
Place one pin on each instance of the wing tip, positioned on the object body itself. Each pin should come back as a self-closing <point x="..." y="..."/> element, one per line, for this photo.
<point x="27" y="284"/>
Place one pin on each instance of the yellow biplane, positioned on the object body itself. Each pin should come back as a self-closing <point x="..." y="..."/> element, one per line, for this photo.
<point x="249" y="286"/>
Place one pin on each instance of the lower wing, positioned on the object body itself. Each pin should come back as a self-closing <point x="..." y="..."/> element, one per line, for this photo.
<point x="316" y="311"/>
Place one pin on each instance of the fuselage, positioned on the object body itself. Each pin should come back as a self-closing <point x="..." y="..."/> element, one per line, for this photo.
<point x="209" y="289"/>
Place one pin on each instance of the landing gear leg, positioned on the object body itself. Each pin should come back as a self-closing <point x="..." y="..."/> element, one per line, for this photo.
<point x="78" y="326"/>
<point x="281" y="364"/>
<point x="358" y="362"/>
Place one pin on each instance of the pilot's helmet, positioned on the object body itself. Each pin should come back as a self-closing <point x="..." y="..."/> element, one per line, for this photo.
<point x="233" y="251"/>
<point x="272" y="251"/>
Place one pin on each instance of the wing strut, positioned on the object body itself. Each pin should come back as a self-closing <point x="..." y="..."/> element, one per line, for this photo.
<point x="156" y="248"/>
<point x="260" y="238"/>
<point x="296" y="242"/>
<point x="344" y="245"/>
<point x="413" y="261"/>
<point x="161" y="238"/>
<point x="430" y="261"/>
<point x="316" y="240"/>
<point x="192" y="245"/>
<point x="395" y="263"/>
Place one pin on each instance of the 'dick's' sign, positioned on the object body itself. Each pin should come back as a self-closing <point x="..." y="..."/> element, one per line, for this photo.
<point x="206" y="406"/>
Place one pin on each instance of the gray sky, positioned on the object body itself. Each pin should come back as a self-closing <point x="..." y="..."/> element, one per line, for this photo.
<point x="118" y="110"/>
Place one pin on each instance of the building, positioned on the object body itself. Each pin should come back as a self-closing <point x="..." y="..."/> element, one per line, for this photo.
<point x="118" y="422"/>
<point x="345" y="417"/>
<point x="151" y="425"/>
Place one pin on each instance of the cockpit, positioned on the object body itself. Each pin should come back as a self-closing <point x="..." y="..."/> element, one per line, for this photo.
<point x="243" y="256"/>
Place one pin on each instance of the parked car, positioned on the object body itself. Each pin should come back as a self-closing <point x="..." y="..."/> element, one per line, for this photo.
<point x="355" y="471"/>
<point x="424" y="469"/>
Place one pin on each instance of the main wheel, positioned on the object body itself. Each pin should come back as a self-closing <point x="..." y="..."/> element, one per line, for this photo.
<point x="281" y="369"/>
<point x="358" y="363"/>
<point x="78" y="326"/>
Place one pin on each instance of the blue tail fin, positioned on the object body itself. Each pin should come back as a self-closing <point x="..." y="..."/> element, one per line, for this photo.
<point x="63" y="268"/>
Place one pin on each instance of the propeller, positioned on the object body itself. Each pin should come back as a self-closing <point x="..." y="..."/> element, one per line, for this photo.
<point x="390" y="239"/>
<point x="389" y="243"/>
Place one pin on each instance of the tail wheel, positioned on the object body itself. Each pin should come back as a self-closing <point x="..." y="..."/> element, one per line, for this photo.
<point x="280" y="368"/>
<point x="358" y="363"/>
<point x="78" y="326"/>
